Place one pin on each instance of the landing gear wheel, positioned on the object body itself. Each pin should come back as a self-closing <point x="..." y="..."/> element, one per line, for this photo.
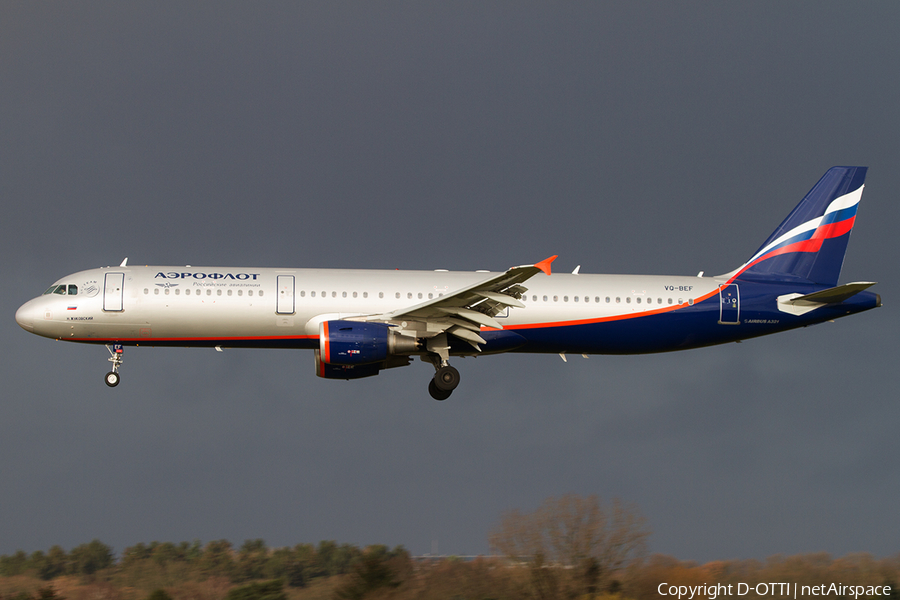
<point x="446" y="378"/>
<point x="436" y="393"/>
<point x="112" y="379"/>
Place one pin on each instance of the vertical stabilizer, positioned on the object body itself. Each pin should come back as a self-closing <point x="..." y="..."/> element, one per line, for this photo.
<point x="811" y="242"/>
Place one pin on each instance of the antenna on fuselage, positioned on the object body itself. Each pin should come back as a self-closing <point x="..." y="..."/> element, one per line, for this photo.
<point x="124" y="262"/>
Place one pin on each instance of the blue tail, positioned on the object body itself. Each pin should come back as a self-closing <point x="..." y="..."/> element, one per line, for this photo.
<point x="810" y="243"/>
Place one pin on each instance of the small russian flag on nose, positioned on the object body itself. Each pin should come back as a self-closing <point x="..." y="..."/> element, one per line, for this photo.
<point x="72" y="308"/>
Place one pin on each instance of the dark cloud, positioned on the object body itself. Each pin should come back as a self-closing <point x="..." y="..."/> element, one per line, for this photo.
<point x="641" y="137"/>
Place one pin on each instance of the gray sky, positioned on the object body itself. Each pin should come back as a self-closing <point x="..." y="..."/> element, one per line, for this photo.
<point x="626" y="137"/>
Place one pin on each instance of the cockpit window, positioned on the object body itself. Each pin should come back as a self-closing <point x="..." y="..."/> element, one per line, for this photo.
<point x="61" y="290"/>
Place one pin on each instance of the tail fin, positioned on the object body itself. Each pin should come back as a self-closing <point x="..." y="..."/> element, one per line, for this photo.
<point x="810" y="244"/>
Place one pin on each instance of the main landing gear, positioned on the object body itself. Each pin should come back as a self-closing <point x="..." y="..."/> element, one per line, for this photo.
<point x="115" y="357"/>
<point x="446" y="378"/>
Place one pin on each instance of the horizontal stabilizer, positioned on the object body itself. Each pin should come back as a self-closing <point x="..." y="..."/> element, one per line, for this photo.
<point x="835" y="294"/>
<point x="799" y="304"/>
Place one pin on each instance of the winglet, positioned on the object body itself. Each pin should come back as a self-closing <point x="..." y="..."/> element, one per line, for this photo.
<point x="544" y="265"/>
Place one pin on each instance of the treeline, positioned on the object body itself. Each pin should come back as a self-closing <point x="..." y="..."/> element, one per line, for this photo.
<point x="254" y="560"/>
<point x="379" y="573"/>
<point x="569" y="548"/>
<point x="343" y="572"/>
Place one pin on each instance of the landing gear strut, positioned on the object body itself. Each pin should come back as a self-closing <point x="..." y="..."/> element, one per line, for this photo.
<point x="115" y="357"/>
<point x="446" y="378"/>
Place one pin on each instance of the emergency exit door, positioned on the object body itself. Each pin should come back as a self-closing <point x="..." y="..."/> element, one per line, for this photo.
<point x="114" y="292"/>
<point x="285" y="302"/>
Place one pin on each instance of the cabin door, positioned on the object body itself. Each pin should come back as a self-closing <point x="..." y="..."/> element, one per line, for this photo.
<point x="285" y="302"/>
<point x="114" y="292"/>
<point x="729" y="305"/>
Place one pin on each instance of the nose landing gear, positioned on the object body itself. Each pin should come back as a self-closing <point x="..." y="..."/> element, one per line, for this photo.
<point x="115" y="357"/>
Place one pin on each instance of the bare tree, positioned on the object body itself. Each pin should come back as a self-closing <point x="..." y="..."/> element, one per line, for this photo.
<point x="575" y="535"/>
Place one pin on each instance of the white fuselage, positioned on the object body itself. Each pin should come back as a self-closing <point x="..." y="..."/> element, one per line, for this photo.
<point x="243" y="306"/>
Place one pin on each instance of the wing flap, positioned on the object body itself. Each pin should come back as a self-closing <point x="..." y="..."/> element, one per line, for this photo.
<point x="471" y="315"/>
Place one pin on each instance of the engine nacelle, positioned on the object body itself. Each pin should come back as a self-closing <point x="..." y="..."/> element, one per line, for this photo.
<point x="344" y="372"/>
<point x="352" y="343"/>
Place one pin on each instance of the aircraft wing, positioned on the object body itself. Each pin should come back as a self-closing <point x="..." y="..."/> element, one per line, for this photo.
<point x="463" y="312"/>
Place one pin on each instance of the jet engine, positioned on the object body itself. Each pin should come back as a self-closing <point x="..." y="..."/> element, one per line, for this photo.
<point x="350" y="349"/>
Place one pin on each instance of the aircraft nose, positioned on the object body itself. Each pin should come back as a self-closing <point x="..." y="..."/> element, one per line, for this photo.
<point x="25" y="316"/>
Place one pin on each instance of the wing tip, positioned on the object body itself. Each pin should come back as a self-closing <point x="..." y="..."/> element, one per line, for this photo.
<point x="544" y="265"/>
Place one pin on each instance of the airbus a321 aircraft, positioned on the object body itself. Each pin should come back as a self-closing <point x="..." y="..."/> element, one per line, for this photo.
<point x="360" y="322"/>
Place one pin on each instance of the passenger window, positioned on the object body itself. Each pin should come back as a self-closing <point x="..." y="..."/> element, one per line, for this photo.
<point x="241" y="293"/>
<point x="545" y="298"/>
<point x="334" y="294"/>
<point x="607" y="299"/>
<point x="628" y="300"/>
<point x="556" y="298"/>
<point x="354" y="294"/>
<point x="249" y="292"/>
<point x="409" y="295"/>
<point x="209" y="292"/>
<point x="229" y="293"/>
<point x="397" y="295"/>
<point x="303" y="293"/>
<point x="146" y="291"/>
<point x="312" y="294"/>
<point x="420" y="295"/>
<point x="177" y="292"/>
<point x="576" y="298"/>
<point x="260" y="292"/>
<point x="343" y="294"/>
<point x="219" y="293"/>
<point x="618" y="299"/>
<point x="156" y="292"/>
<point x="638" y="300"/>
<point x="430" y="295"/>
<point x="565" y="298"/>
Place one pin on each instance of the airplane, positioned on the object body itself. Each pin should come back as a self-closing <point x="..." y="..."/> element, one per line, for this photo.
<point x="361" y="322"/>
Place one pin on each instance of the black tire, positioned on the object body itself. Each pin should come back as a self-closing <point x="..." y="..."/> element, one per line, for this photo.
<point x="112" y="379"/>
<point x="436" y="393"/>
<point x="446" y="378"/>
